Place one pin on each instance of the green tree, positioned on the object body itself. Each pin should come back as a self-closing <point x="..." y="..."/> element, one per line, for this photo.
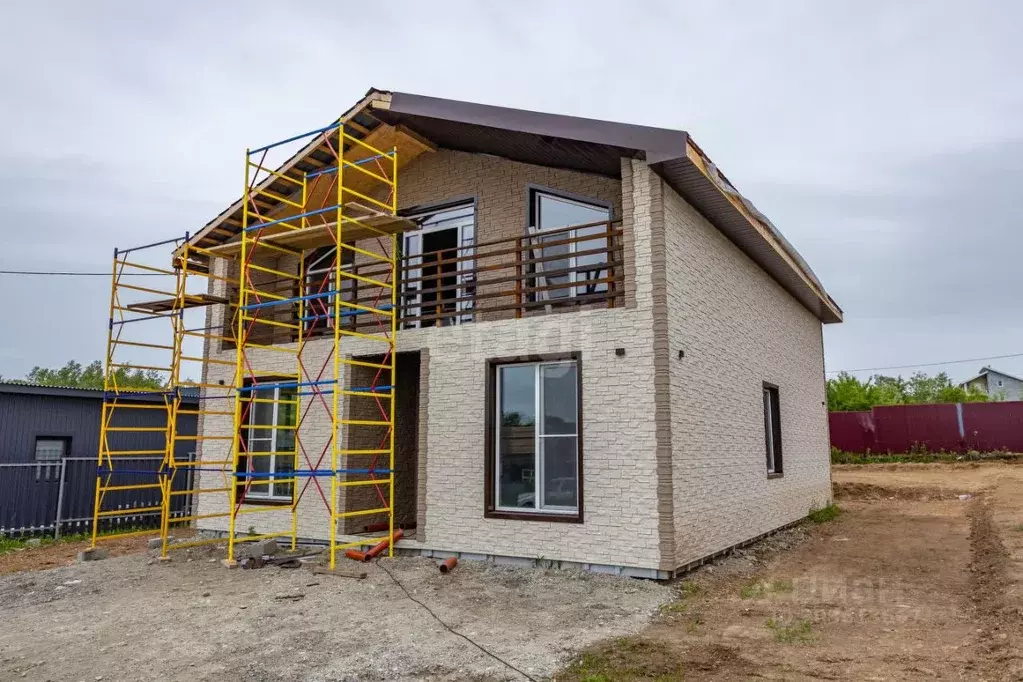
<point x="846" y="392"/>
<point x="73" y="375"/>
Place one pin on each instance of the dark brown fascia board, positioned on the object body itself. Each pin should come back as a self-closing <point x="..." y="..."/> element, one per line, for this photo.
<point x="655" y="143"/>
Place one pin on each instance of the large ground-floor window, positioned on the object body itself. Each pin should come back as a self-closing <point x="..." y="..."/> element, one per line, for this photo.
<point x="269" y="443"/>
<point x="534" y="431"/>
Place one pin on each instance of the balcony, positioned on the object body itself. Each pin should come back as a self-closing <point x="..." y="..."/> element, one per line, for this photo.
<point x="559" y="270"/>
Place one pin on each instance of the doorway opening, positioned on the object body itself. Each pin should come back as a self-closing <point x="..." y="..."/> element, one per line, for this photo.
<point x="406" y="448"/>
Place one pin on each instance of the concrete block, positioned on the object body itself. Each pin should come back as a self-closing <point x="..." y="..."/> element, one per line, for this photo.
<point x="261" y="548"/>
<point x="93" y="554"/>
<point x="155" y="543"/>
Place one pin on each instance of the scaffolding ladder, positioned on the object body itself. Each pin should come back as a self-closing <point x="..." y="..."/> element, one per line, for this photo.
<point x="136" y="441"/>
<point x="205" y="472"/>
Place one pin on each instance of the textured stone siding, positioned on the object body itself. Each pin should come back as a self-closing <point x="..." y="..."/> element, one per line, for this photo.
<point x="738" y="328"/>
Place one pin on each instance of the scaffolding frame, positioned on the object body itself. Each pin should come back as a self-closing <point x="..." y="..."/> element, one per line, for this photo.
<point x="252" y="378"/>
<point x="175" y="299"/>
<point x="360" y="211"/>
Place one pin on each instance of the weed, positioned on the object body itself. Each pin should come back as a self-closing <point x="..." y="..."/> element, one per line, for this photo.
<point x="758" y="588"/>
<point x="800" y="632"/>
<point x="690" y="588"/>
<point x="674" y="608"/>
<point x="824" y="514"/>
<point x="1018" y="528"/>
<point x="623" y="659"/>
<point x="693" y="626"/>
<point x="753" y="590"/>
<point x="543" y="562"/>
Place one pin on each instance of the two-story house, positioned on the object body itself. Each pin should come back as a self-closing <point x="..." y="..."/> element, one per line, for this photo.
<point x="606" y="357"/>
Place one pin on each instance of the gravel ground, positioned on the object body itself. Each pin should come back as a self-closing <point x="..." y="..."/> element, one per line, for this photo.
<point x="131" y="618"/>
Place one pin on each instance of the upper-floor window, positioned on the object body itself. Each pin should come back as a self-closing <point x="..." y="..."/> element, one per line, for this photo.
<point x="318" y="308"/>
<point x="565" y="262"/>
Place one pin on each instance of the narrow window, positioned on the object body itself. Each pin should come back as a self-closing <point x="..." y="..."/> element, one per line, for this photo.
<point x="268" y="441"/>
<point x="565" y="264"/>
<point x="772" y="430"/>
<point x="50" y="449"/>
<point x="536" y="450"/>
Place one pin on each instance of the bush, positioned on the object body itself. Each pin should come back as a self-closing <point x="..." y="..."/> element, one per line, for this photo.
<point x="824" y="514"/>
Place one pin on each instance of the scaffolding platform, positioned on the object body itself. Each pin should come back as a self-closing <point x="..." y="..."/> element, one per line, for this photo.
<point x="166" y="305"/>
<point x="358" y="223"/>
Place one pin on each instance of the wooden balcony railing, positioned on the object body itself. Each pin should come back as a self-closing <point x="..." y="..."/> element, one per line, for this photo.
<point x="580" y="266"/>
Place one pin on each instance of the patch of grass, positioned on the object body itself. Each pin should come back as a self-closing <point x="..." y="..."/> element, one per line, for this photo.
<point x="626" y="659"/>
<point x="14" y="544"/>
<point x="694" y="623"/>
<point x="753" y="590"/>
<point x="674" y="608"/>
<point x="919" y="455"/>
<point x="759" y="588"/>
<point x="1018" y="528"/>
<point x="800" y="632"/>
<point x="690" y="588"/>
<point x="824" y="514"/>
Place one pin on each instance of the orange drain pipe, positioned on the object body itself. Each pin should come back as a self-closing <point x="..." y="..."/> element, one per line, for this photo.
<point x="383" y="544"/>
<point x="448" y="564"/>
<point x="355" y="554"/>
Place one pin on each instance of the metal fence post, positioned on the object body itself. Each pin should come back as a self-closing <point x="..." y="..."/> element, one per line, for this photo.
<point x="60" y="499"/>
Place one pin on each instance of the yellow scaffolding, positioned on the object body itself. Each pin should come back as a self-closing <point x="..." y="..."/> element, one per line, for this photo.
<point x="300" y="224"/>
<point x="136" y="438"/>
<point x="278" y="310"/>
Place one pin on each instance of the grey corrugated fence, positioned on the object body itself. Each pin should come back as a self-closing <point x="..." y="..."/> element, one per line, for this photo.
<point x="57" y="497"/>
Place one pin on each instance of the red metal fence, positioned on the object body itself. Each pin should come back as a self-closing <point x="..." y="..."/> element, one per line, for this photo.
<point x="953" y="427"/>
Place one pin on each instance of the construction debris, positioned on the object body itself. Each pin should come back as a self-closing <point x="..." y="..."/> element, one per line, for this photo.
<point x="448" y="564"/>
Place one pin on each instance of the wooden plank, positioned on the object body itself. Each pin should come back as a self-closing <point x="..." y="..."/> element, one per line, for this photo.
<point x="320" y="235"/>
<point x="167" y="304"/>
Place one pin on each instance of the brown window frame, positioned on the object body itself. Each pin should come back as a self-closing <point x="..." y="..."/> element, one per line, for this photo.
<point x="772" y="440"/>
<point x="490" y="510"/>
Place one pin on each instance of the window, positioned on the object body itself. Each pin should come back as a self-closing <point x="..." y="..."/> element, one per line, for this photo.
<point x="578" y="271"/>
<point x="269" y="440"/>
<point x="319" y="280"/>
<point x="1000" y="383"/>
<point x="51" y="449"/>
<point x="440" y="283"/>
<point x="534" y="462"/>
<point x="772" y="430"/>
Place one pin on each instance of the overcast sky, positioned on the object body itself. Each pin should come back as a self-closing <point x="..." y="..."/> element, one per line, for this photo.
<point x="885" y="139"/>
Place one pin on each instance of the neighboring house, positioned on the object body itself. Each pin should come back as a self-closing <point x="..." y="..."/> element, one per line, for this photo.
<point x="998" y="385"/>
<point x="50" y="435"/>
<point x="675" y="354"/>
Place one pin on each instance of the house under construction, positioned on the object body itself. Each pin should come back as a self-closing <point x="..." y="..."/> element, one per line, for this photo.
<point x="482" y="332"/>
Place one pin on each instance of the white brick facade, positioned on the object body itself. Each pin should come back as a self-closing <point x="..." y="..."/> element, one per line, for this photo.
<point x="653" y="499"/>
<point x="737" y="328"/>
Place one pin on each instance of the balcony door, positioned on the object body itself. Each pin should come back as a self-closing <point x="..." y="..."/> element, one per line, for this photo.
<point x="439" y="286"/>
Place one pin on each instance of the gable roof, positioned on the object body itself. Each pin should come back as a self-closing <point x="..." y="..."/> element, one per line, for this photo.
<point x="984" y="371"/>
<point x="423" y="123"/>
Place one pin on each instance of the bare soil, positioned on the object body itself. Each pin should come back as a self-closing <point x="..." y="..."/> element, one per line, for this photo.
<point x="918" y="578"/>
<point x="136" y="618"/>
